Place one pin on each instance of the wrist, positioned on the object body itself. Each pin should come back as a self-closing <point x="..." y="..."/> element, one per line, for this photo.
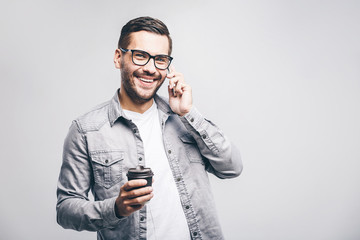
<point x="184" y="113"/>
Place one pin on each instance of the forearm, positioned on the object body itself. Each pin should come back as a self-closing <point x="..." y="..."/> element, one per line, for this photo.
<point x="80" y="214"/>
<point x="224" y="157"/>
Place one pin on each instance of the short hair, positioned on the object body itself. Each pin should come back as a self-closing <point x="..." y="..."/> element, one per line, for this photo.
<point x="148" y="24"/>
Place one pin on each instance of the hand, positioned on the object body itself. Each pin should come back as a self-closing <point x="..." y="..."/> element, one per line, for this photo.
<point x="180" y="96"/>
<point x="130" y="199"/>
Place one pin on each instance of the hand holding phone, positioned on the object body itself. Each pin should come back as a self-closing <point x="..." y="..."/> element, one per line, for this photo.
<point x="180" y="96"/>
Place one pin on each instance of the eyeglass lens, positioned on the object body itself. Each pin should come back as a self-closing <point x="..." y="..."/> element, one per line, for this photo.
<point x="141" y="58"/>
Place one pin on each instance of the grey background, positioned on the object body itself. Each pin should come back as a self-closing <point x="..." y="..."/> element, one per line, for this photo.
<point x="281" y="78"/>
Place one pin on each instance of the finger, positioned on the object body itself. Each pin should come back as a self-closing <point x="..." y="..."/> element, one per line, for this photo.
<point x="172" y="68"/>
<point x="170" y="75"/>
<point x="187" y="88"/>
<point x="179" y="88"/>
<point x="138" y="192"/>
<point x="172" y="84"/>
<point x="128" y="209"/>
<point x="134" y="184"/>
<point x="172" y="72"/>
<point x="134" y="208"/>
<point x="139" y="200"/>
<point x="171" y="90"/>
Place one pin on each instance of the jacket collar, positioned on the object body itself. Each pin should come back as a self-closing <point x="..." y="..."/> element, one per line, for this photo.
<point x="116" y="112"/>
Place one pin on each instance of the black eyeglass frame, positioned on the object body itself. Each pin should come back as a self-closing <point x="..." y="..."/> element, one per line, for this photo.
<point x="150" y="57"/>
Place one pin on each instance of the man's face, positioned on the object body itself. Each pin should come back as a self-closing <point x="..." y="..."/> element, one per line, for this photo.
<point x="142" y="82"/>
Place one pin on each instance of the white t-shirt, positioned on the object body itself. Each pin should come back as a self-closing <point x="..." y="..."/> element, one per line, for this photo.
<point x="165" y="216"/>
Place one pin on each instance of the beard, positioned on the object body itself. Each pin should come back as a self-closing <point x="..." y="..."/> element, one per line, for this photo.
<point x="137" y="95"/>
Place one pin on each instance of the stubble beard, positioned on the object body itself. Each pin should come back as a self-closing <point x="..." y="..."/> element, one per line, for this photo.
<point x="130" y="88"/>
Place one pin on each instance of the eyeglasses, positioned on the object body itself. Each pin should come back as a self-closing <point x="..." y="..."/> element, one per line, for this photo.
<point x="141" y="58"/>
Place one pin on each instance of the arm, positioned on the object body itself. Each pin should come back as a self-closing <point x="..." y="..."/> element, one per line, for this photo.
<point x="74" y="209"/>
<point x="223" y="156"/>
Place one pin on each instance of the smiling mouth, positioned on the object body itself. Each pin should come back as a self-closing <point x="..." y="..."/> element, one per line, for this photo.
<point x="146" y="80"/>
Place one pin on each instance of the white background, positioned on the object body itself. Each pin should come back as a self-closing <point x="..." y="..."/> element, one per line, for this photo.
<point x="281" y="78"/>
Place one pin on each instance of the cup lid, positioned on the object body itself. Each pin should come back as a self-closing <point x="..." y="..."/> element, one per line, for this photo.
<point x="140" y="171"/>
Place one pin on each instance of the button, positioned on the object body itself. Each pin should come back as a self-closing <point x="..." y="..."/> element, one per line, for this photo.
<point x="106" y="161"/>
<point x="191" y="120"/>
<point x="203" y="136"/>
<point x="187" y="207"/>
<point x="169" y="151"/>
<point x="178" y="179"/>
<point x="195" y="234"/>
<point x="134" y="130"/>
<point x="142" y="219"/>
<point x="140" y="158"/>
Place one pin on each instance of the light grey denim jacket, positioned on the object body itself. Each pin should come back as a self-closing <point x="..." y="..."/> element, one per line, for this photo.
<point x="103" y="144"/>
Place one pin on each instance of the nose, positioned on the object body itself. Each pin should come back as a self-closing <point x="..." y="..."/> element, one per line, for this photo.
<point x="150" y="66"/>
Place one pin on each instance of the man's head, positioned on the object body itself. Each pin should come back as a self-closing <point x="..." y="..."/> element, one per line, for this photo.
<point x="142" y="38"/>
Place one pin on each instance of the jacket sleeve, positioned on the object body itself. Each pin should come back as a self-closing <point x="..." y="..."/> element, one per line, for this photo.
<point x="223" y="156"/>
<point x="74" y="209"/>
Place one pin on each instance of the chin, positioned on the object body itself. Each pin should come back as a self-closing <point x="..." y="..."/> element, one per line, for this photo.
<point x="147" y="97"/>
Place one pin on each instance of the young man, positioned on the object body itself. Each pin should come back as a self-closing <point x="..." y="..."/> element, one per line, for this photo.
<point x="137" y="127"/>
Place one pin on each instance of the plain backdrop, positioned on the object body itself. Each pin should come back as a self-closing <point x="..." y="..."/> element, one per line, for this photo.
<point x="281" y="78"/>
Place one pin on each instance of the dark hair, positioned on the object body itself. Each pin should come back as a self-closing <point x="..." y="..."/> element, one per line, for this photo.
<point x="143" y="24"/>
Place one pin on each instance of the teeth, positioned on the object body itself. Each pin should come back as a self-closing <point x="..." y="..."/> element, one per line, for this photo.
<point x="146" y="80"/>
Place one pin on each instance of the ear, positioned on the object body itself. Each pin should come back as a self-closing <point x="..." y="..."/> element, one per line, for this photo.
<point x="117" y="60"/>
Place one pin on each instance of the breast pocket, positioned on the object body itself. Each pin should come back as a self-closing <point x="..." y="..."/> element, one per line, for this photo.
<point x="191" y="148"/>
<point x="107" y="167"/>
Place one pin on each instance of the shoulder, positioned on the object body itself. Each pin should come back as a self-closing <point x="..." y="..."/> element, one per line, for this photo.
<point x="94" y="119"/>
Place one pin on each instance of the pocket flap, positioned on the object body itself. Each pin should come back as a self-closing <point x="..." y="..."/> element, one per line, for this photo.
<point x="187" y="138"/>
<point x="107" y="158"/>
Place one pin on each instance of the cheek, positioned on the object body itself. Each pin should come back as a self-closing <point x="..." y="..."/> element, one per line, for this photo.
<point x="163" y="75"/>
<point x="128" y="71"/>
<point x="122" y="63"/>
<point x="137" y="72"/>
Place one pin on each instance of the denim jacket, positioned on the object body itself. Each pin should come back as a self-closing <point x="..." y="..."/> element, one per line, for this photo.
<point x="103" y="144"/>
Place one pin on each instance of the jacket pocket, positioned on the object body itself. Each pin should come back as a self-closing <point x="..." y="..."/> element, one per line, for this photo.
<point x="191" y="148"/>
<point x="107" y="167"/>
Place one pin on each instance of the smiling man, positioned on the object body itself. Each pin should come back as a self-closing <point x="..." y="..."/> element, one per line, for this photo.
<point x="138" y="127"/>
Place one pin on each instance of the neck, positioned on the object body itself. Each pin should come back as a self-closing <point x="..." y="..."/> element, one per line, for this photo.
<point x="128" y="104"/>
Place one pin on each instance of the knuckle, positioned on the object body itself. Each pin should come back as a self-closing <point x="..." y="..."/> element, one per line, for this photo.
<point x="125" y="203"/>
<point x="131" y="195"/>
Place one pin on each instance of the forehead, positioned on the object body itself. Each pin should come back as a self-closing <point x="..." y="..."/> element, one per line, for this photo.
<point x="150" y="42"/>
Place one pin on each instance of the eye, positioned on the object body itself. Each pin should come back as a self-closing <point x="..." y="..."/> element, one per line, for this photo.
<point x="140" y="55"/>
<point x="162" y="59"/>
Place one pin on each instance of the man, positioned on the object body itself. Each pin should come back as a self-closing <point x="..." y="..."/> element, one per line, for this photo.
<point x="137" y="127"/>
